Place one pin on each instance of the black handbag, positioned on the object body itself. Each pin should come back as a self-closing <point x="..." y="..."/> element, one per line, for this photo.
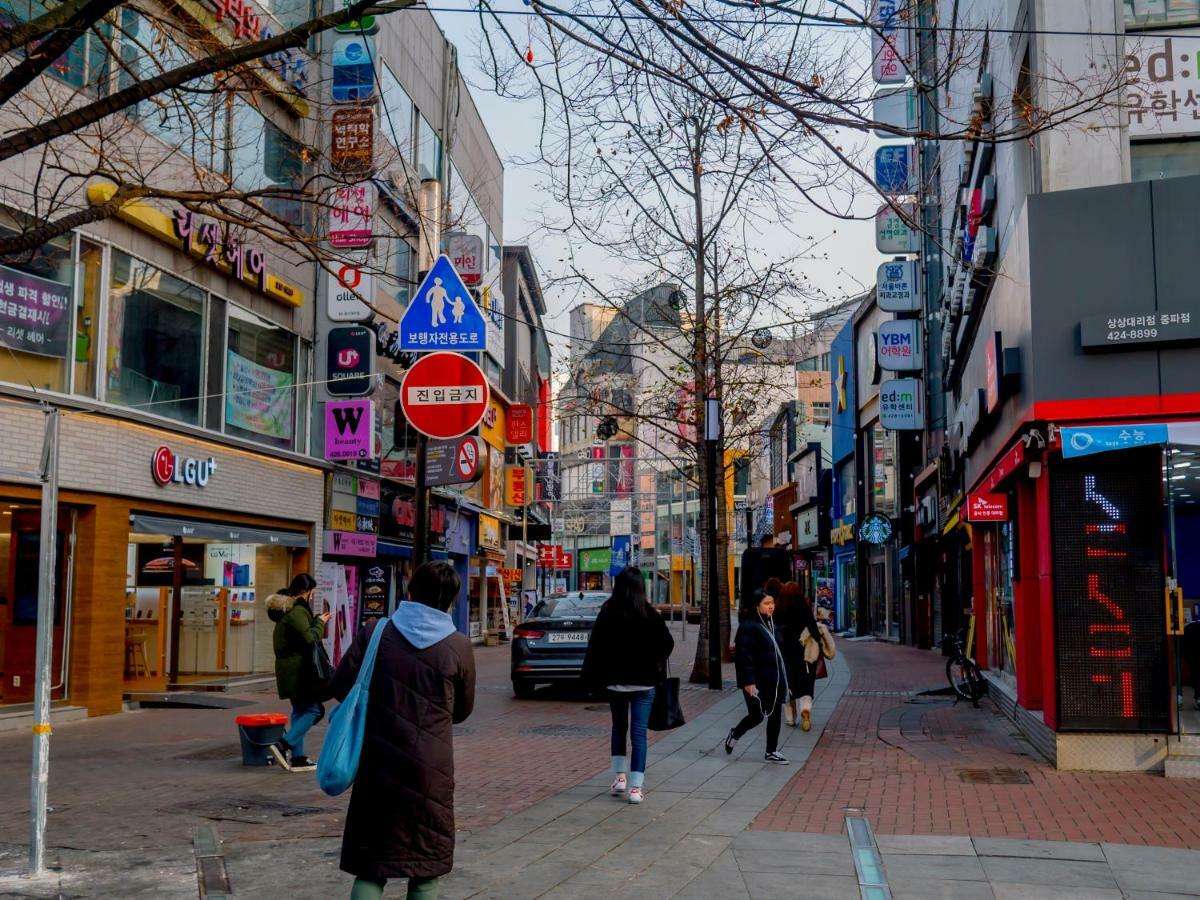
<point x="321" y="664"/>
<point x="666" y="712"/>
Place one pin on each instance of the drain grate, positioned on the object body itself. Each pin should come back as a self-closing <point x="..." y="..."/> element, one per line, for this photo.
<point x="565" y="731"/>
<point x="879" y="693"/>
<point x="221" y="751"/>
<point x="994" y="776"/>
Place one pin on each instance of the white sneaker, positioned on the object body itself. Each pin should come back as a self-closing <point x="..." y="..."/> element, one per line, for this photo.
<point x="636" y="795"/>
<point x="618" y="786"/>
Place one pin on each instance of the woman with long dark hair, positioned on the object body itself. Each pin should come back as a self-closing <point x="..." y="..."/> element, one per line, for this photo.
<point x="627" y="656"/>
<point x="792" y="616"/>
<point x="806" y="641"/>
<point x="761" y="673"/>
<point x="297" y="630"/>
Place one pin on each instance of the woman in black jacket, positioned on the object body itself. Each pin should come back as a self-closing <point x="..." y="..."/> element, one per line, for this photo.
<point x="761" y="673"/>
<point x="627" y="655"/>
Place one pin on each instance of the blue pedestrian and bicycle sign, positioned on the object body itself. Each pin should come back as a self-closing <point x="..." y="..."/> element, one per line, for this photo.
<point x="442" y="314"/>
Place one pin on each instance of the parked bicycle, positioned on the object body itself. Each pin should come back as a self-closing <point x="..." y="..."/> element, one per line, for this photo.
<point x="962" y="671"/>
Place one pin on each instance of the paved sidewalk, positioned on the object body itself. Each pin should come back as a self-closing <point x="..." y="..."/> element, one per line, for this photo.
<point x="920" y="765"/>
<point x="582" y="843"/>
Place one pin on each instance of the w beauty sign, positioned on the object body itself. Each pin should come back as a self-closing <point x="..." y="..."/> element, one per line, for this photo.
<point x="349" y="429"/>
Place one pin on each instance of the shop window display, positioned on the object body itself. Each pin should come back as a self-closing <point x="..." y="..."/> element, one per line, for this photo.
<point x="38" y="327"/>
<point x="260" y="376"/>
<point x="155" y="338"/>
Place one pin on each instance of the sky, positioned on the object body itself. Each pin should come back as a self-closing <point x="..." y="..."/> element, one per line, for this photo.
<point x="513" y="125"/>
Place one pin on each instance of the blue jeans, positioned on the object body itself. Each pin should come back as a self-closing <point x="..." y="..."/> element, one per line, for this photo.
<point x="304" y="717"/>
<point x="621" y="702"/>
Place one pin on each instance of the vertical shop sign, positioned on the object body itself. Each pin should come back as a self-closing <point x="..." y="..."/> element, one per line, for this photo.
<point x="350" y="360"/>
<point x="352" y="215"/>
<point x="347" y="285"/>
<point x="349" y="429"/>
<point x="352" y="140"/>
<point x="893" y="234"/>
<point x="466" y="254"/>
<point x="353" y="66"/>
<point x="890" y="42"/>
<point x="520" y="424"/>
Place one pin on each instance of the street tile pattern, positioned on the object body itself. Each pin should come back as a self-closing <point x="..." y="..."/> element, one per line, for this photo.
<point x="911" y="763"/>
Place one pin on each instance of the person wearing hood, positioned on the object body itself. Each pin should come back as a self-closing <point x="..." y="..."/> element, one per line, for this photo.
<point x="400" y="823"/>
<point x="297" y="632"/>
<point x="761" y="673"/>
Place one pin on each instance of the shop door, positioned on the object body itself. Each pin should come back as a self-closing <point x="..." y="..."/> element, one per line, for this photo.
<point x="1183" y="581"/>
<point x="20" y="549"/>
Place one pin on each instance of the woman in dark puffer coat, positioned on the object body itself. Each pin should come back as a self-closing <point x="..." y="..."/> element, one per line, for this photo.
<point x="400" y="823"/>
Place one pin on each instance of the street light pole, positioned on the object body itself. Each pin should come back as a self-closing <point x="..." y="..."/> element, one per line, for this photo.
<point x="712" y="433"/>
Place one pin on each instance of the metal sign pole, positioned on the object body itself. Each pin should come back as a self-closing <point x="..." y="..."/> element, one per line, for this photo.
<point x="47" y="563"/>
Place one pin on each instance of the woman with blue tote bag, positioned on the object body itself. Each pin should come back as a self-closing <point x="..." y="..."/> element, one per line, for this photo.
<point x="400" y="823"/>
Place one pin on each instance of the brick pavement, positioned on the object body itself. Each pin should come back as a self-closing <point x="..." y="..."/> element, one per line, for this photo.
<point x="144" y="779"/>
<point x="904" y="762"/>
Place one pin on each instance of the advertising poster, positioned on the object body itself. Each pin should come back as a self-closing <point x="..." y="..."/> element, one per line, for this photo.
<point x="826" y="601"/>
<point x="34" y="313"/>
<point x="258" y="399"/>
<point x="621" y="548"/>
<point x="377" y="586"/>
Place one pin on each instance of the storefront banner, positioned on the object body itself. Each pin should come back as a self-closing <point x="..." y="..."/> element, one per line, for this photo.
<point x="595" y="560"/>
<point x="1102" y="438"/>
<point x="34" y="313"/>
<point x="1161" y="95"/>
<point x="825" y="607"/>
<point x="620" y="558"/>
<point x="258" y="399"/>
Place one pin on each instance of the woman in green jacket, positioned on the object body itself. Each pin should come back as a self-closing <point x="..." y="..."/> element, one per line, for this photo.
<point x="297" y="631"/>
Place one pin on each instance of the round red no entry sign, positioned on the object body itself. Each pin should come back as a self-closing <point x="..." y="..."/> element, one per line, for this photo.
<point x="444" y="395"/>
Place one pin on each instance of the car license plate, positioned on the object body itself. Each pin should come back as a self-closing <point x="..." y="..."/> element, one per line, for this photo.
<point x="568" y="637"/>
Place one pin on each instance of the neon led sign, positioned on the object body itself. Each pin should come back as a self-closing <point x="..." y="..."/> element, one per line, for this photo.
<point x="1107" y="535"/>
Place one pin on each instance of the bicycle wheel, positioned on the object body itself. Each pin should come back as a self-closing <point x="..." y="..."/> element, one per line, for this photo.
<point x="965" y="679"/>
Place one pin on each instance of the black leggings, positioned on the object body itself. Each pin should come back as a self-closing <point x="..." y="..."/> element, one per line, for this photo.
<point x="755" y="708"/>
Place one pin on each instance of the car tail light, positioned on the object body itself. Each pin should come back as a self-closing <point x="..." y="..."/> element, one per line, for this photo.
<point x="528" y="632"/>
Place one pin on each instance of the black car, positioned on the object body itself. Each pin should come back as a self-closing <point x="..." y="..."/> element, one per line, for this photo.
<point x="549" y="645"/>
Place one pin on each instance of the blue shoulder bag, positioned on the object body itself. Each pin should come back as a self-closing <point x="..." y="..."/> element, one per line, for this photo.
<point x="338" y="763"/>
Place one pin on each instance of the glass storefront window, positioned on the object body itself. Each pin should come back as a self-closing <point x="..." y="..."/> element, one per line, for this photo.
<point x="36" y="299"/>
<point x="260" y="379"/>
<point x="154" y="356"/>
<point x="1152" y="13"/>
<point x="1000" y="569"/>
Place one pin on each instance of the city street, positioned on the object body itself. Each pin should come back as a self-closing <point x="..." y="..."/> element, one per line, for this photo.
<point x="535" y="820"/>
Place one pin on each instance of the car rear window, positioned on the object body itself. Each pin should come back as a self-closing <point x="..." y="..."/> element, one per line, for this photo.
<point x="564" y="607"/>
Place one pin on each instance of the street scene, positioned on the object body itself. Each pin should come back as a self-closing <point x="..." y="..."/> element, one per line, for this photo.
<point x="504" y="450"/>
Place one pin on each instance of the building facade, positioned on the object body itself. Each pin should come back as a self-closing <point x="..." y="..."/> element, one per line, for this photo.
<point x="1046" y="493"/>
<point x="190" y="368"/>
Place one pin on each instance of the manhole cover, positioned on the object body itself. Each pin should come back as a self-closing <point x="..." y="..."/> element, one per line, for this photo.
<point x="250" y="810"/>
<point x="565" y="731"/>
<point x="994" y="776"/>
<point x="222" y="751"/>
